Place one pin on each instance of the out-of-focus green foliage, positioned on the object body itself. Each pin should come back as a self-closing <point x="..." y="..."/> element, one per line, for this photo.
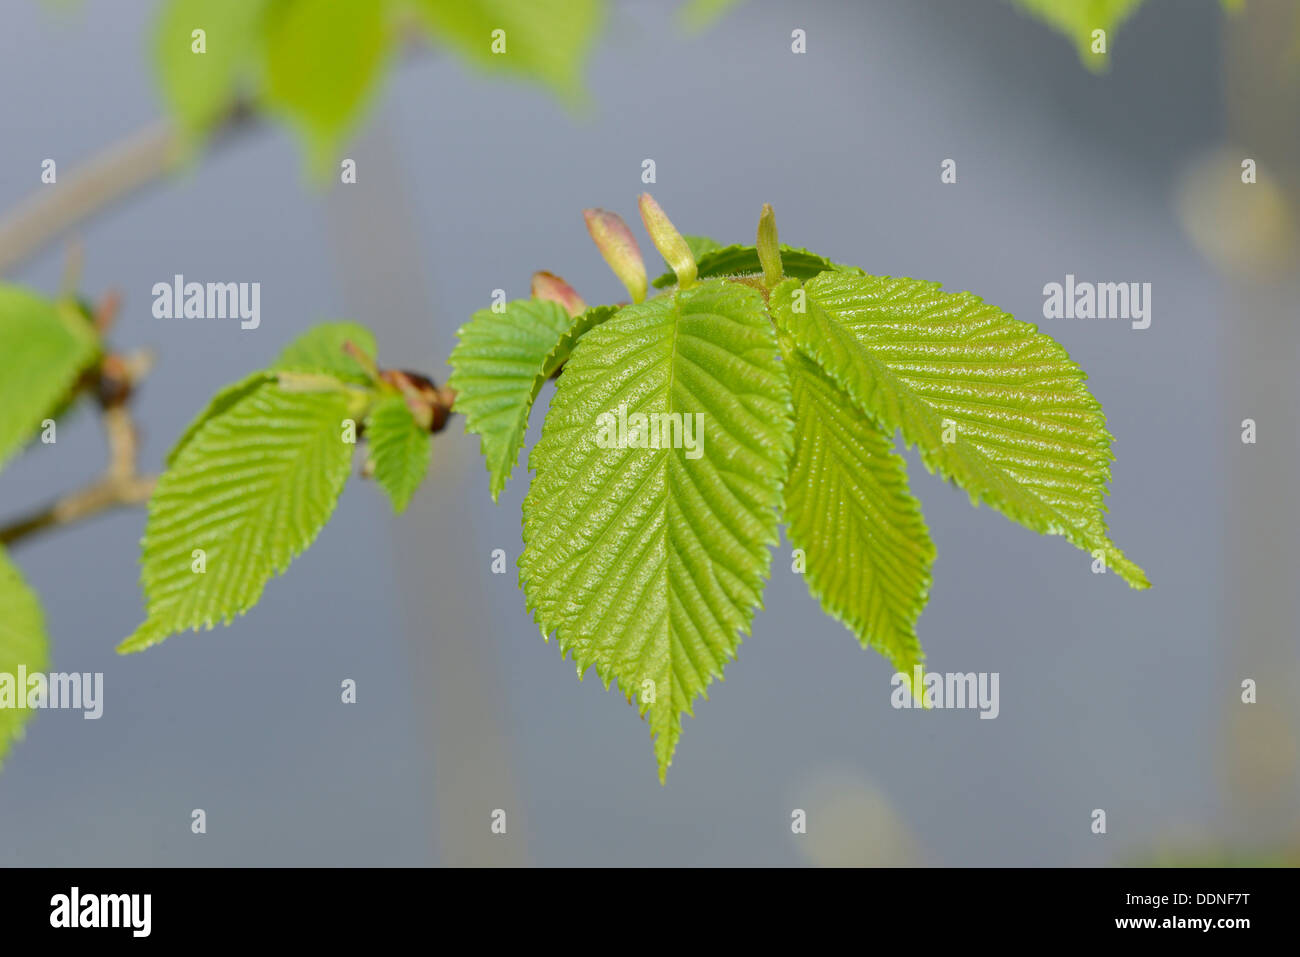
<point x="317" y="62"/>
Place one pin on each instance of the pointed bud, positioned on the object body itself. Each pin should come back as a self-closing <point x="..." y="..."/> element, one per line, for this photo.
<point x="617" y="244"/>
<point x="769" y="252"/>
<point x="362" y="358"/>
<point x="668" y="241"/>
<point x="428" y="403"/>
<point x="548" y="286"/>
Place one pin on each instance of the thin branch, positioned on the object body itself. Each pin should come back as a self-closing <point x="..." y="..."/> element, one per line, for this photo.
<point x="119" y="486"/>
<point x="107" y="493"/>
<point x="139" y="160"/>
<point x="113" y="383"/>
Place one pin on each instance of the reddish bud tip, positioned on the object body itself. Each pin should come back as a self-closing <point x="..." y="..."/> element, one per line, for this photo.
<point x="548" y="286"/>
<point x="617" y="244"/>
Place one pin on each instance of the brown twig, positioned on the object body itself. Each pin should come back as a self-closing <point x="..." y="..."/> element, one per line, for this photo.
<point x="429" y="402"/>
<point x="97" y="497"/>
<point x="113" y="382"/>
<point x="142" y="158"/>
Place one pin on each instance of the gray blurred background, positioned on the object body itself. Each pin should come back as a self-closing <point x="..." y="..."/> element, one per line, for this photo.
<point x="1110" y="698"/>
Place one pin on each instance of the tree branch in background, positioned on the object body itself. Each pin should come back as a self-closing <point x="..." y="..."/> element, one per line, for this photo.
<point x="113" y="383"/>
<point x="139" y="160"/>
<point x="107" y="493"/>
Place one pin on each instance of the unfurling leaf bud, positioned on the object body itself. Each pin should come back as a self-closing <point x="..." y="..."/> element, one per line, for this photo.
<point x="548" y="286"/>
<point x="430" y="404"/>
<point x="769" y="252"/>
<point x="668" y="241"/>
<point x="362" y="358"/>
<point x="618" y="246"/>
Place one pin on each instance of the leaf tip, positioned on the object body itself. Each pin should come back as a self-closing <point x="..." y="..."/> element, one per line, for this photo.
<point x="146" y="636"/>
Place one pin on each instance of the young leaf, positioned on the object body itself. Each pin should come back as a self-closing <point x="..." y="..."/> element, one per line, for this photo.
<point x="991" y="402"/>
<point x="200" y="88"/>
<point x="544" y="41"/>
<point x="322" y="62"/>
<point x="743" y="260"/>
<point x="22" y="643"/>
<point x="700" y="246"/>
<point x="671" y="244"/>
<point x="499" y="365"/>
<point x="318" y="61"/>
<point x="250" y="490"/>
<point x="399" y="448"/>
<point x="847" y="505"/>
<point x="552" y="288"/>
<point x="218" y="404"/>
<point x="648" y="563"/>
<point x="619" y="248"/>
<point x="1078" y="18"/>
<point x="317" y="351"/>
<point x="320" y="350"/>
<point x="44" y="348"/>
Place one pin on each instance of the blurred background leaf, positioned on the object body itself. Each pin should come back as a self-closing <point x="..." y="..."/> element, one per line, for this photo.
<point x="316" y="62"/>
<point x="1078" y="18"/>
<point x="22" y="643"/>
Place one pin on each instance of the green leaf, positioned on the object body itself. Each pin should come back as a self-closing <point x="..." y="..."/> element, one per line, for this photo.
<point x="219" y="403"/>
<point x="543" y="41"/>
<point x="648" y="563"/>
<point x="317" y="62"/>
<point x="317" y="351"/>
<point x="320" y="350"/>
<point x="200" y="88"/>
<point x="23" y="642"/>
<point x="399" y="448"/>
<point x="581" y="325"/>
<point x="323" y="60"/>
<point x="1027" y="436"/>
<point x="700" y="246"/>
<point x="251" y="489"/>
<point x="701" y="14"/>
<point x="867" y="549"/>
<point x="743" y="261"/>
<point x="1076" y="19"/>
<point x="44" y="348"/>
<point x="499" y="366"/>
